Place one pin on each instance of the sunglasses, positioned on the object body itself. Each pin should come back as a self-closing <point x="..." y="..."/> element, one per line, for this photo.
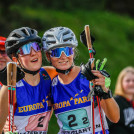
<point x="3" y="53"/>
<point x="26" y="49"/>
<point x="58" y="51"/>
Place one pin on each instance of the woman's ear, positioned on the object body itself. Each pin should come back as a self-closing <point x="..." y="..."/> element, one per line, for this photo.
<point x="48" y="56"/>
<point x="76" y="53"/>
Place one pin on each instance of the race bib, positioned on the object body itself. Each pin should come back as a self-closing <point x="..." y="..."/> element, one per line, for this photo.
<point x="75" y="119"/>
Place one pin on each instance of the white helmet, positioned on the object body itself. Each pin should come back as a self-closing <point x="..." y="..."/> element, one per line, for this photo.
<point x="59" y="37"/>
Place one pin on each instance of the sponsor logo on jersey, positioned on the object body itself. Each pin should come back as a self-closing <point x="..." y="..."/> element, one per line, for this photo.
<point x="44" y="75"/>
<point x="67" y="103"/>
<point x="34" y="106"/>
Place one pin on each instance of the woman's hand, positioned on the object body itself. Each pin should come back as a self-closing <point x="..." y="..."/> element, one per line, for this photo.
<point x="100" y="80"/>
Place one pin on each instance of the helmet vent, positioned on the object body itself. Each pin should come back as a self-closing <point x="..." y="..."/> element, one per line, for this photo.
<point x="32" y="31"/>
<point x="16" y="35"/>
<point x="72" y="34"/>
<point x="51" y="29"/>
<point x="11" y="43"/>
<point x="61" y="28"/>
<point x="49" y="36"/>
<point x="53" y="42"/>
<point x="25" y="32"/>
<point x="44" y="39"/>
<point x="67" y="32"/>
<point x="69" y="38"/>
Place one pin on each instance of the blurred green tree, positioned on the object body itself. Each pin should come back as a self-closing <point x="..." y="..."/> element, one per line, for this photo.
<point x="5" y="6"/>
<point x="121" y="6"/>
<point x="74" y="4"/>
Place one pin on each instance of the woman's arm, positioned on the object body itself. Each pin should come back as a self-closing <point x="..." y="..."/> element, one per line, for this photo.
<point x="51" y="71"/>
<point x="3" y="106"/>
<point x="109" y="105"/>
<point x="111" y="109"/>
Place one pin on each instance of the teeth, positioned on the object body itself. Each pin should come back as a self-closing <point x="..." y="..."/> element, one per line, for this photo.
<point x="34" y="60"/>
<point x="62" y="62"/>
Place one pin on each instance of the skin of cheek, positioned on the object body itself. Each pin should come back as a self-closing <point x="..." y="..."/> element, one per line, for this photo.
<point x="128" y="83"/>
<point x="33" y="66"/>
<point x="62" y="63"/>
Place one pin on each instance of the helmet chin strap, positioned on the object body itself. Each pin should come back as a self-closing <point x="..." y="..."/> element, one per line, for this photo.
<point x="65" y="71"/>
<point x="28" y="71"/>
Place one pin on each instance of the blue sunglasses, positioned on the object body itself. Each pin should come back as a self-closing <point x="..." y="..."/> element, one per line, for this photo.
<point x="58" y="51"/>
<point x="26" y="49"/>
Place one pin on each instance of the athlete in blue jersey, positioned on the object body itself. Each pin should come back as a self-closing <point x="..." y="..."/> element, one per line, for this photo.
<point x="32" y="104"/>
<point x="70" y="88"/>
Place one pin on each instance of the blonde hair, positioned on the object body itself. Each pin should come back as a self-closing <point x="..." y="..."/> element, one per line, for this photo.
<point x="118" y="87"/>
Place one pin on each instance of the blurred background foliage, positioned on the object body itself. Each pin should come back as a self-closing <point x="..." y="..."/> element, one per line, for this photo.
<point x="111" y="23"/>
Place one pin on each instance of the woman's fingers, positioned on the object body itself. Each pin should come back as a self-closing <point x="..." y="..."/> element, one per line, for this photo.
<point x="101" y="79"/>
<point x="97" y="73"/>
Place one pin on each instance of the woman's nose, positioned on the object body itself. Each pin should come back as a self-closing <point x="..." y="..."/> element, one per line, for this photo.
<point x="32" y="51"/>
<point x="63" y="55"/>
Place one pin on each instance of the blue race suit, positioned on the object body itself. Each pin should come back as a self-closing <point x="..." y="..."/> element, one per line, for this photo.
<point x="72" y="107"/>
<point x="33" y="106"/>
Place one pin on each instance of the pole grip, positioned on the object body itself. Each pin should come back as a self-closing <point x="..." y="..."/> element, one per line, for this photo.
<point x="89" y="44"/>
<point x="88" y="38"/>
<point x="9" y="74"/>
<point x="14" y="74"/>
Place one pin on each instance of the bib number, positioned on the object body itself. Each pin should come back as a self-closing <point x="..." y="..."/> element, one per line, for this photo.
<point x="40" y="124"/>
<point x="76" y="119"/>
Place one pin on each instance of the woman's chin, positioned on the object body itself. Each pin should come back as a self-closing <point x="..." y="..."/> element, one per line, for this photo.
<point x="35" y="69"/>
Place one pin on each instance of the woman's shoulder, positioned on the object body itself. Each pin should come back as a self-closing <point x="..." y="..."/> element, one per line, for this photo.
<point x="51" y="71"/>
<point x="120" y="100"/>
<point x="119" y="97"/>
